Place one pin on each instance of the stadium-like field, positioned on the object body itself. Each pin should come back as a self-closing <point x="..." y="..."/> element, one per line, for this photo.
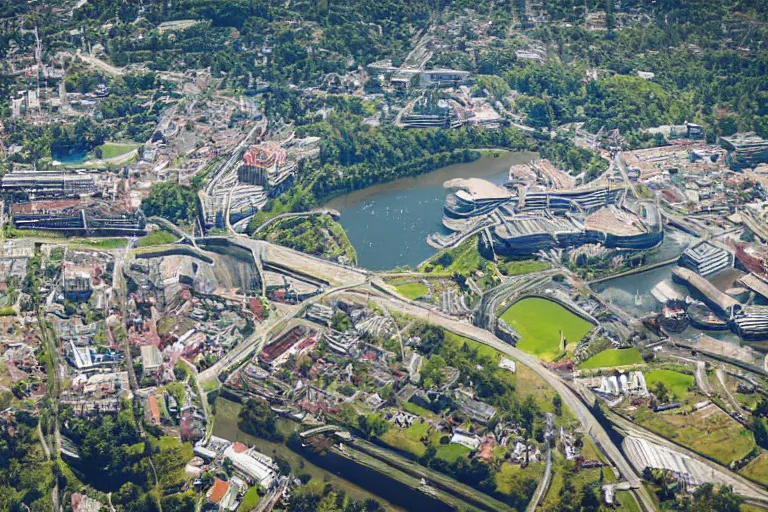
<point x="539" y="322"/>
<point x="412" y="290"/>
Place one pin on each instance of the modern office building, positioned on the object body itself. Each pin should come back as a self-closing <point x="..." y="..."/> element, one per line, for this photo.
<point x="706" y="259"/>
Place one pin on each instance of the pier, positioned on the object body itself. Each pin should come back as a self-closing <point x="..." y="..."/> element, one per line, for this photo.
<point x="713" y="297"/>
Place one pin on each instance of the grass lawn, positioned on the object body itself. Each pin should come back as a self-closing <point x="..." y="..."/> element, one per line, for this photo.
<point x="612" y="357"/>
<point x="11" y="232"/>
<point x="418" y="410"/>
<point x="464" y="259"/>
<point x="250" y="500"/>
<point x="156" y="238"/>
<point x="100" y="243"/>
<point x="677" y="383"/>
<point x="757" y="470"/>
<point x="451" y="452"/>
<point x="709" y="431"/>
<point x="113" y="149"/>
<point x="627" y="502"/>
<point x="511" y="478"/>
<point x="482" y="350"/>
<point x="417" y="431"/>
<point x="525" y="381"/>
<point x="539" y="322"/>
<point x="516" y="268"/>
<point x="409" y="440"/>
<point x="412" y="290"/>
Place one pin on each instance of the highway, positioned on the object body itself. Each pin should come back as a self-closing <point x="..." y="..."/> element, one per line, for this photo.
<point x="381" y="295"/>
<point x="589" y="423"/>
<point x="371" y="285"/>
<point x="623" y="171"/>
<point x="261" y="334"/>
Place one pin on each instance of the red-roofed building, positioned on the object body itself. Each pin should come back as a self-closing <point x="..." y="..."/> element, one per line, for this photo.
<point x="239" y="447"/>
<point x="217" y="491"/>
<point x="154" y="410"/>
<point x="256" y="308"/>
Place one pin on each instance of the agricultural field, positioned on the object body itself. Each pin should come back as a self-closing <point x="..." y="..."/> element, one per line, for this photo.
<point x="709" y="431"/>
<point x="757" y="469"/>
<point x="677" y="383"/>
<point x="540" y="321"/>
<point x="612" y="358"/>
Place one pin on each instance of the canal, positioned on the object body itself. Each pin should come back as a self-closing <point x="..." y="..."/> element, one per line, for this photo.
<point x="389" y="223"/>
<point x="360" y="482"/>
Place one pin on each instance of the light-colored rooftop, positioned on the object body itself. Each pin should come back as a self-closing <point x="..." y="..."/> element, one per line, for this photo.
<point x="478" y="188"/>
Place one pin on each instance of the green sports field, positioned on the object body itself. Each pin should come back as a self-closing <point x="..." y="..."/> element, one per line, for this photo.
<point x="412" y="290"/>
<point x="611" y="358"/>
<point x="539" y="322"/>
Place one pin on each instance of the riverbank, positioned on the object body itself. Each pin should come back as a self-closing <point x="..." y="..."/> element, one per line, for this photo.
<point x="356" y="473"/>
<point x="225" y="426"/>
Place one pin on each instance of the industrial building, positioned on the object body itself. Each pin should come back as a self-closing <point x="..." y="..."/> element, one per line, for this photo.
<point x="430" y="111"/>
<point x="52" y="184"/>
<point x="750" y="322"/>
<point x="253" y="465"/>
<point x="82" y="222"/>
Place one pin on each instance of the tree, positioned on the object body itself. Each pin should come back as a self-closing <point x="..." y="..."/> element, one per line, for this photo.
<point x="661" y="392"/>
<point x="258" y="419"/>
<point x="706" y="500"/>
<point x="760" y="432"/>
<point x="341" y="322"/>
<point x="372" y="425"/>
<point x="171" y="201"/>
<point x="558" y="403"/>
<point x="432" y="372"/>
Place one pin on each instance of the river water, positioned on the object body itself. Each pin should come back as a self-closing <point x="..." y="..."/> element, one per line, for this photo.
<point x="356" y="480"/>
<point x="389" y="223"/>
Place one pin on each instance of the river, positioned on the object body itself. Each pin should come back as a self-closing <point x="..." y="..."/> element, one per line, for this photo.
<point x="389" y="223"/>
<point x="358" y="481"/>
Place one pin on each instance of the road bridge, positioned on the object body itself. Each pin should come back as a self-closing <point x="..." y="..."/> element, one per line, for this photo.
<point x="320" y="430"/>
<point x="633" y="271"/>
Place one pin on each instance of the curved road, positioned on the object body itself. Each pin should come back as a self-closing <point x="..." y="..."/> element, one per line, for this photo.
<point x="311" y="213"/>
<point x="585" y="417"/>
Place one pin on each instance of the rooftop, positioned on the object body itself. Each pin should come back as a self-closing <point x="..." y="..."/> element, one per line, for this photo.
<point x="477" y="188"/>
